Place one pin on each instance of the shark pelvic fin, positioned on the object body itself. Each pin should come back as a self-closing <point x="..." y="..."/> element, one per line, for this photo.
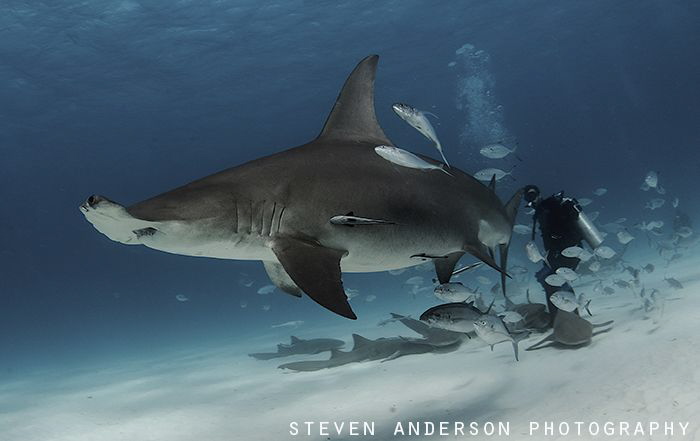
<point x="483" y="255"/>
<point x="316" y="271"/>
<point x="353" y="118"/>
<point x="280" y="278"/>
<point x="445" y="266"/>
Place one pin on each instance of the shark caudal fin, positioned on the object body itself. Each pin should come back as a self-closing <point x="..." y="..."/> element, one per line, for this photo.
<point x="511" y="209"/>
<point x="353" y="117"/>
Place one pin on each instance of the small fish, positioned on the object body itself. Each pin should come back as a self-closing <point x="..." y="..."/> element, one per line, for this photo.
<point x="584" y="202"/>
<point x="644" y="187"/>
<point x="244" y="305"/>
<point x="415" y="280"/>
<point x="418" y="120"/>
<point x="673" y="283"/>
<point x="457" y="317"/>
<point x="651" y="225"/>
<point x="675" y="202"/>
<point x="624" y="237"/>
<point x="533" y="253"/>
<point x="622" y="284"/>
<point x="585" y="256"/>
<point x="600" y="191"/>
<point x="492" y="330"/>
<point x="605" y="252"/>
<point x="522" y="229"/>
<point x="510" y="316"/>
<point x="655" y="203"/>
<point x="593" y="215"/>
<point x="518" y="270"/>
<point x="181" y="298"/>
<point x="649" y="268"/>
<point x="351" y="293"/>
<point x="620" y="220"/>
<point x="572" y="251"/>
<point x="454" y="292"/>
<point x="651" y="179"/>
<point x="594" y="267"/>
<point x="497" y="151"/>
<point x="567" y="301"/>
<point x="567" y="273"/>
<point x="404" y="158"/>
<point x="265" y="307"/>
<point x="292" y="324"/>
<point x="370" y="298"/>
<point x="660" y="190"/>
<point x="608" y="290"/>
<point x="267" y="289"/>
<point x="483" y="280"/>
<point x="245" y="281"/>
<point x="555" y="280"/>
<point x="351" y="220"/>
<point x="487" y="173"/>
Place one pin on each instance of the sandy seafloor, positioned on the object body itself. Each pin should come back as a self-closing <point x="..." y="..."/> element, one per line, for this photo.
<point x="645" y="369"/>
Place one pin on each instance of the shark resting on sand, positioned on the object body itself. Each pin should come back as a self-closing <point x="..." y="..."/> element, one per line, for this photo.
<point x="278" y="209"/>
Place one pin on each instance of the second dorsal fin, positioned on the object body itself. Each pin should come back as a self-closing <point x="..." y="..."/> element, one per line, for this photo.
<point x="353" y="117"/>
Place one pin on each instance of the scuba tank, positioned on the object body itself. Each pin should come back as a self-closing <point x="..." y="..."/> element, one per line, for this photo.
<point x="589" y="232"/>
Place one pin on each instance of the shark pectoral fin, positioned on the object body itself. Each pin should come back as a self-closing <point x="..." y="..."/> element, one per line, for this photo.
<point x="279" y="277"/>
<point x="294" y="339"/>
<point x="316" y="271"/>
<point x="445" y="266"/>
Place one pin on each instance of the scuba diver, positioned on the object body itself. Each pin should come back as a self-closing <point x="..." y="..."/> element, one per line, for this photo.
<point x="562" y="224"/>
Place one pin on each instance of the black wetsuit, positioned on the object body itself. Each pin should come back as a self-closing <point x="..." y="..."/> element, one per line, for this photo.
<point x="557" y="218"/>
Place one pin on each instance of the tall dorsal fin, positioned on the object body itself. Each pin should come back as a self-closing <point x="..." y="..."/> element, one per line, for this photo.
<point x="353" y="117"/>
<point x="295" y="339"/>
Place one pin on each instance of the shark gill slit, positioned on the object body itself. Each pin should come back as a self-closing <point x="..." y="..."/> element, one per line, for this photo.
<point x="236" y="216"/>
<point x="272" y="218"/>
<point x="279" y="222"/>
<point x="252" y="218"/>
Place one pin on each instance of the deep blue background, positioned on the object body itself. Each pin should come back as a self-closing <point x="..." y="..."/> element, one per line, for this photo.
<point x="131" y="99"/>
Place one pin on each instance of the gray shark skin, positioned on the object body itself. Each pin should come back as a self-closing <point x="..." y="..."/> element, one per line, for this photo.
<point x="299" y="346"/>
<point x="363" y="349"/>
<point x="277" y="209"/>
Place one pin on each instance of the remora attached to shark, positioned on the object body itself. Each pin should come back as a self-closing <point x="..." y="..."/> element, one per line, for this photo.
<point x="277" y="209"/>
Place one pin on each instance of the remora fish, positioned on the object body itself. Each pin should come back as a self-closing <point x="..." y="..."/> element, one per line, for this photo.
<point x="351" y="220"/>
<point x="418" y="120"/>
<point x="276" y="209"/>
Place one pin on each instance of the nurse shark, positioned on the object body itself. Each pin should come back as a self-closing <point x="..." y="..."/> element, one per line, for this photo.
<point x="277" y="209"/>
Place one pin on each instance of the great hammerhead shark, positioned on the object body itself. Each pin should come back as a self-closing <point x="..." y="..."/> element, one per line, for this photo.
<point x="277" y="209"/>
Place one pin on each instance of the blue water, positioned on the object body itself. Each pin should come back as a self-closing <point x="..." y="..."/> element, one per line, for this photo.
<point x="132" y="98"/>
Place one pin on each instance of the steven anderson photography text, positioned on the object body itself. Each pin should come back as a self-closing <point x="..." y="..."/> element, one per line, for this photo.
<point x="617" y="429"/>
